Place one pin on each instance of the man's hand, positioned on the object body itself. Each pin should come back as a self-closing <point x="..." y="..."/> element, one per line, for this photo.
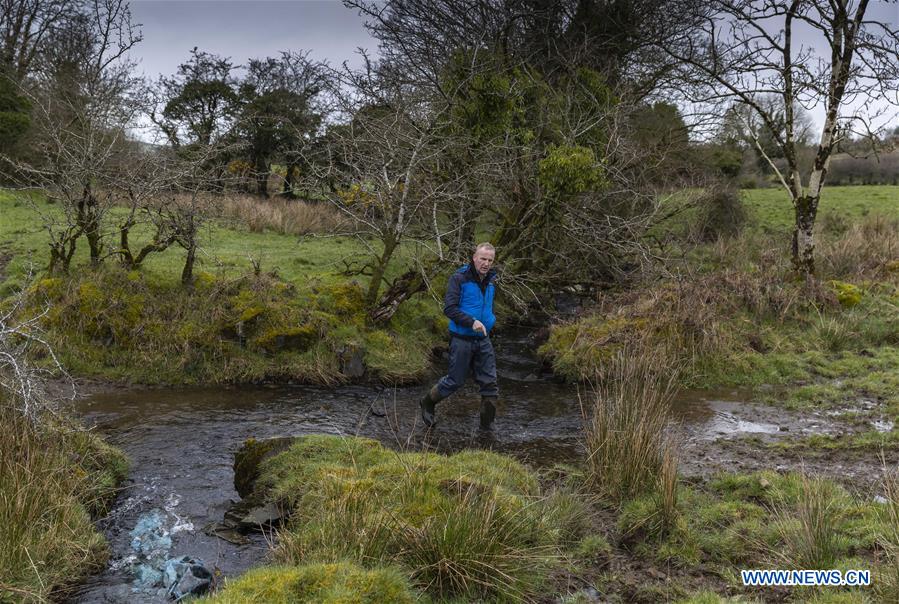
<point x="478" y="326"/>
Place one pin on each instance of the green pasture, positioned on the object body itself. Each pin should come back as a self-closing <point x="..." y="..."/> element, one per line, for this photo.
<point x="771" y="208"/>
<point x="226" y="250"/>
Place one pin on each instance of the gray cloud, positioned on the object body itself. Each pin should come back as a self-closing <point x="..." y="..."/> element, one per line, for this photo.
<point x="245" y="29"/>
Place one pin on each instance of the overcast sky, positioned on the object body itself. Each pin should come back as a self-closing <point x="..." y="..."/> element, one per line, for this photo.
<point x="244" y="29"/>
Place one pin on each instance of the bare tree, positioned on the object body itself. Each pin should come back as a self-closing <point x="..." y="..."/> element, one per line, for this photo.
<point x="22" y="339"/>
<point x="83" y="102"/>
<point x="25" y="26"/>
<point x="804" y="53"/>
<point x="380" y="167"/>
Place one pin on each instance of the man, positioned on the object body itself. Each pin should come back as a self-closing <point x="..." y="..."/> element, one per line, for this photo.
<point x="469" y="306"/>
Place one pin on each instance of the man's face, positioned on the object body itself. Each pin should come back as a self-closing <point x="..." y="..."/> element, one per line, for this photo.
<point x="483" y="260"/>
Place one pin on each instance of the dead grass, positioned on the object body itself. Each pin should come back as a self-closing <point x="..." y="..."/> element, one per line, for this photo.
<point x="864" y="252"/>
<point x="283" y="216"/>
<point x="628" y="449"/>
<point x="47" y="540"/>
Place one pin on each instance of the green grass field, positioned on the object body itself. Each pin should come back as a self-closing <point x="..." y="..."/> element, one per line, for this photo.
<point x="771" y="208"/>
<point x="230" y="251"/>
<point x="225" y="251"/>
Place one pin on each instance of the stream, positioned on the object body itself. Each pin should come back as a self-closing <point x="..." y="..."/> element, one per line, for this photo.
<point x="181" y="443"/>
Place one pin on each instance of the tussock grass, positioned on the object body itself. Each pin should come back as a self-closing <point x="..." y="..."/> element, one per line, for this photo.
<point x="50" y="481"/>
<point x="809" y="524"/>
<point x="761" y="520"/>
<point x="474" y="544"/>
<point x="474" y="525"/>
<point x="628" y="450"/>
<point x="283" y="216"/>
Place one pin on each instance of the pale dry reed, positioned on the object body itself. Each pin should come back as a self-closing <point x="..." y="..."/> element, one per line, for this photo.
<point x="283" y="216"/>
<point x="629" y="449"/>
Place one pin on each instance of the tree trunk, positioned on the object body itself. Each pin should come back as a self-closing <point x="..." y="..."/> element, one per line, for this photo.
<point x="806" y="209"/>
<point x="187" y="274"/>
<point x="374" y="285"/>
<point x="89" y="223"/>
<point x="287" y="191"/>
<point x="125" y="246"/>
<point x="262" y="179"/>
<point x="402" y="288"/>
<point x="54" y="259"/>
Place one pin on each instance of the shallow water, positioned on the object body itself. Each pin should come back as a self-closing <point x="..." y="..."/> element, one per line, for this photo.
<point x="181" y="443"/>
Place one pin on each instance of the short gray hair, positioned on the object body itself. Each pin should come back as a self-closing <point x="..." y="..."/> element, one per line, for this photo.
<point x="485" y="246"/>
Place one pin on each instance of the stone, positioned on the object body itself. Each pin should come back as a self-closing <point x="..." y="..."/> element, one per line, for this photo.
<point x="249" y="516"/>
<point x="145" y="576"/>
<point x="149" y="538"/>
<point x="186" y="576"/>
<point x="268" y="514"/>
<point x="352" y="363"/>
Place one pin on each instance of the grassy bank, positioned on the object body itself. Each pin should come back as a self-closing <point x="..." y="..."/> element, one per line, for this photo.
<point x="467" y="527"/>
<point x="136" y="327"/>
<point x="265" y="305"/>
<point x="53" y="480"/>
<point x="370" y="524"/>
<point x="732" y="313"/>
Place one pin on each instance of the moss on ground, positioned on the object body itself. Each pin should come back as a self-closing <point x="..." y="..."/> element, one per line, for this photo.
<point x="131" y="326"/>
<point x="762" y="520"/>
<point x="337" y="583"/>
<point x="471" y="525"/>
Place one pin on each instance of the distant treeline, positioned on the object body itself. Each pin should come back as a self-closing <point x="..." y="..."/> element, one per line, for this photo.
<point x="882" y="169"/>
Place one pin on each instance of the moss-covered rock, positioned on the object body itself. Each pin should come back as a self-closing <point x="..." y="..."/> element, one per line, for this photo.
<point x="339" y="583"/>
<point x="286" y="338"/>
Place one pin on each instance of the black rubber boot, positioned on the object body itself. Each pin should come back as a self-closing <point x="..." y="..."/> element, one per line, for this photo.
<point x="488" y="412"/>
<point x="427" y="406"/>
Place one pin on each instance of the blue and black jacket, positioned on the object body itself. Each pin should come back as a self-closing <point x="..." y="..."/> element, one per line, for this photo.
<point x="469" y="298"/>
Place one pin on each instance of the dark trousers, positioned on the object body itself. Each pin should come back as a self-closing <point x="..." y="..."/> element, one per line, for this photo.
<point x="470" y="355"/>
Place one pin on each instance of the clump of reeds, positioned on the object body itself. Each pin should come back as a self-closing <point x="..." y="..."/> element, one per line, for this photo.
<point x="667" y="487"/>
<point x="47" y="540"/>
<point x="284" y="216"/>
<point x="808" y="524"/>
<point x="629" y="449"/>
<point x="865" y="251"/>
<point x="474" y="546"/>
